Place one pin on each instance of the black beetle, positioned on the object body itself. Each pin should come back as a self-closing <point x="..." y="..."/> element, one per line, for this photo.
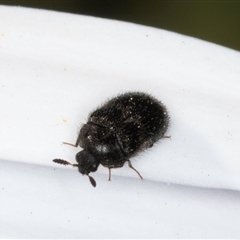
<point x="118" y="130"/>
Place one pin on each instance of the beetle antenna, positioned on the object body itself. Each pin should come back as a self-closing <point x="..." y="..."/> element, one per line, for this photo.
<point x="93" y="182"/>
<point x="64" y="162"/>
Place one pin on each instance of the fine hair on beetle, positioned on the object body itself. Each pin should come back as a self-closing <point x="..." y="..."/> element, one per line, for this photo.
<point x="118" y="130"/>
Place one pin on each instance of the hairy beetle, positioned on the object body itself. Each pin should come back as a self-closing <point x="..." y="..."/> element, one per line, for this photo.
<point x="118" y="130"/>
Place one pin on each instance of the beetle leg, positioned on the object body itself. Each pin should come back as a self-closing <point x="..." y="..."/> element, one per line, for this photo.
<point x="73" y="145"/>
<point x="131" y="166"/>
<point x="109" y="174"/>
<point x="166" y="137"/>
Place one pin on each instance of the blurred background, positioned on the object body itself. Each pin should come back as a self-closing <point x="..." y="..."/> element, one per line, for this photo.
<point x="213" y="21"/>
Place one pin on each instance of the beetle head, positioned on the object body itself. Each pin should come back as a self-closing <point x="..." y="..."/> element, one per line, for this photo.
<point x="86" y="164"/>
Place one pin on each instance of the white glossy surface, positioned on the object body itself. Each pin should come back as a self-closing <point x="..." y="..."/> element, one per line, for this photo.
<point x="54" y="69"/>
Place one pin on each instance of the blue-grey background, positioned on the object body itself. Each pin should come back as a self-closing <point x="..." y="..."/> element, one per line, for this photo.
<point x="214" y="21"/>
